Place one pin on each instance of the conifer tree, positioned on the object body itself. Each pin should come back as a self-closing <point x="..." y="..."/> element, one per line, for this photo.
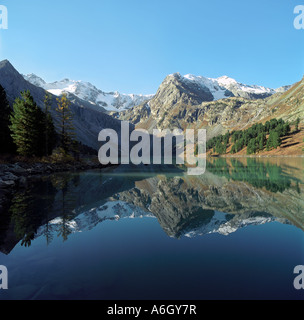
<point x="27" y="126"/>
<point x="49" y="128"/>
<point x="274" y="140"/>
<point x="261" y="141"/>
<point x="65" y="120"/>
<point x="297" y="124"/>
<point x="252" y="146"/>
<point x="6" y="141"/>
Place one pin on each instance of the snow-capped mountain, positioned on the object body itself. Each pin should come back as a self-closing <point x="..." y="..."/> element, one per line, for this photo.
<point x="88" y="220"/>
<point x="88" y="119"/>
<point x="191" y="101"/>
<point x="221" y="223"/>
<point x="111" y="101"/>
<point x="225" y="87"/>
<point x="220" y="88"/>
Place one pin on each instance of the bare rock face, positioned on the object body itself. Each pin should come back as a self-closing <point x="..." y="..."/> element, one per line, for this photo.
<point x="176" y="91"/>
<point x="185" y="104"/>
<point x="212" y="203"/>
<point x="173" y="99"/>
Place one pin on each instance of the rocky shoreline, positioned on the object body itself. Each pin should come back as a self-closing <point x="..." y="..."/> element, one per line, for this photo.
<point x="18" y="174"/>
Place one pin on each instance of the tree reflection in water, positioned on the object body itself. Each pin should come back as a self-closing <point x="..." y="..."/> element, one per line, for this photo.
<point x="51" y="204"/>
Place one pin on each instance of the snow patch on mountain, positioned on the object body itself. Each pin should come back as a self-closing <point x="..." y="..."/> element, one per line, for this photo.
<point x="220" y="88"/>
<point x="111" y="101"/>
<point x="218" y="91"/>
<point x="221" y="224"/>
<point x="86" y="221"/>
<point x="225" y="87"/>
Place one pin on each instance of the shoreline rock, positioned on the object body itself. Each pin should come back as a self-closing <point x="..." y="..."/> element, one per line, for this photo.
<point x="18" y="174"/>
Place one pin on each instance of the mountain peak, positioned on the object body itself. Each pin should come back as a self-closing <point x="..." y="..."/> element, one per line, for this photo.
<point x="6" y="65"/>
<point x="112" y="101"/>
<point x="175" y="75"/>
<point x="84" y="113"/>
<point x="34" y="79"/>
<point x="223" y="87"/>
<point x="5" y="62"/>
<point x="226" y="80"/>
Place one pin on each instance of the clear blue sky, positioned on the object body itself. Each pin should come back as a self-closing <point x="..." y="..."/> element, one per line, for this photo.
<point x="131" y="45"/>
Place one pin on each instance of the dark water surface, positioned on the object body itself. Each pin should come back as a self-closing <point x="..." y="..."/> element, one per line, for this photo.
<point x="235" y="232"/>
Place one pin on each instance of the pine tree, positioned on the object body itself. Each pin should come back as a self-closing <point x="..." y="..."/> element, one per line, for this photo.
<point x="6" y="141"/>
<point x="297" y="124"/>
<point x="65" y="119"/>
<point x="233" y="149"/>
<point x="252" y="146"/>
<point x="220" y="148"/>
<point x="286" y="129"/>
<point x="261" y="141"/>
<point x="27" y="126"/>
<point x="274" y="140"/>
<point x="49" y="128"/>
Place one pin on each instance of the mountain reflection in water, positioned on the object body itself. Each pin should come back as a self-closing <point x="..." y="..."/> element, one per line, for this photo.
<point x="232" y="194"/>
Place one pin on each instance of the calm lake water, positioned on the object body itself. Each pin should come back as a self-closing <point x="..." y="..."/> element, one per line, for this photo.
<point x="235" y="232"/>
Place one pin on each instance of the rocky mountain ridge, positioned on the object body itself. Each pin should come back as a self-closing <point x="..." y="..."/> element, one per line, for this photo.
<point x="201" y="88"/>
<point x="88" y="121"/>
<point x="106" y="101"/>
<point x="179" y="105"/>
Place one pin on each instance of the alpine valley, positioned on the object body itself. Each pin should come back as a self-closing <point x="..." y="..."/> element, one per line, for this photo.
<point x="71" y="228"/>
<point x="218" y="105"/>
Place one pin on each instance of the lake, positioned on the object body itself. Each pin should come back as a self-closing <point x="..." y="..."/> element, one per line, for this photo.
<point x="235" y="232"/>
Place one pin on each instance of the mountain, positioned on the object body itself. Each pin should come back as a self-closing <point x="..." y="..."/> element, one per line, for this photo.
<point x="225" y="87"/>
<point x="228" y="197"/>
<point x="209" y="222"/>
<point x="112" y="101"/>
<point x="199" y="88"/>
<point x="188" y="102"/>
<point x="88" y="120"/>
<point x="217" y="202"/>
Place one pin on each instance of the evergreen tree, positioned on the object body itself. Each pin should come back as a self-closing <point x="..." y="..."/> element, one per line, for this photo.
<point x="6" y="141"/>
<point x="252" y="146"/>
<point x="280" y="130"/>
<point x="286" y="129"/>
<point x="49" y="128"/>
<point x="267" y="127"/>
<point x="261" y="141"/>
<point x="274" y="140"/>
<point x="233" y="149"/>
<point x="239" y="144"/>
<point x="297" y="124"/>
<point x="246" y="138"/>
<point x="273" y="124"/>
<point x="27" y="126"/>
<point x="220" y="148"/>
<point x="65" y="119"/>
<point x="226" y="138"/>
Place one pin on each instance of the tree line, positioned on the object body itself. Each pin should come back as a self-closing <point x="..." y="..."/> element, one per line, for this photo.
<point x="257" y="138"/>
<point x="28" y="130"/>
